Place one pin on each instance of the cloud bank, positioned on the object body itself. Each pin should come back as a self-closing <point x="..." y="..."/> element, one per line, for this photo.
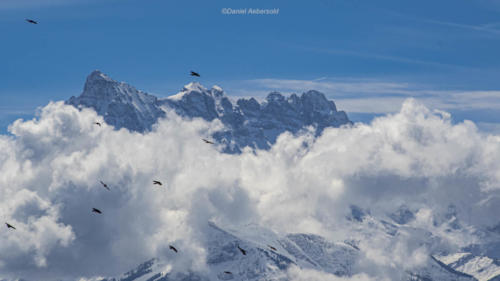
<point x="51" y="167"/>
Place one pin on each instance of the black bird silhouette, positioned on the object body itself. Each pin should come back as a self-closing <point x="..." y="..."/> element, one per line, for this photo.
<point x="272" y="248"/>
<point x="157" y="182"/>
<point x="195" y="74"/>
<point x="172" y="248"/>
<point x="31" y="21"/>
<point x="207" y="141"/>
<point x="96" y="211"/>
<point x="105" y="185"/>
<point x="9" y="225"/>
<point x="97" y="123"/>
<point x="242" y="251"/>
<point x="228" y="272"/>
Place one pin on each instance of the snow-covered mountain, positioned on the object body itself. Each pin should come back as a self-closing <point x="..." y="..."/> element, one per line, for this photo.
<point x="479" y="260"/>
<point x="269" y="256"/>
<point x="247" y="121"/>
<point x="120" y="104"/>
<point x="483" y="268"/>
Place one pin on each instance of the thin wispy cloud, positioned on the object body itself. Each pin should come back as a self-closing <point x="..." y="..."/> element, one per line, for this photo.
<point x="344" y="88"/>
<point x="14" y="110"/>
<point x="386" y="57"/>
<point x="375" y="96"/>
<point x="370" y="105"/>
<point x="490" y="28"/>
<point x="24" y="4"/>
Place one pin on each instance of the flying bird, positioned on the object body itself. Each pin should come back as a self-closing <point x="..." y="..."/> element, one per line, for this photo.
<point x="228" y="272"/>
<point x="94" y="210"/>
<point x="105" y="185"/>
<point x="31" y="21"/>
<point x="195" y="74"/>
<point x="272" y="248"/>
<point x="9" y="225"/>
<point x="157" y="182"/>
<point x="172" y="248"/>
<point x="97" y="123"/>
<point x="207" y="141"/>
<point x="242" y="251"/>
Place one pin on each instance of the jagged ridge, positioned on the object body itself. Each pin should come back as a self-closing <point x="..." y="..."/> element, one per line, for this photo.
<point x="248" y="122"/>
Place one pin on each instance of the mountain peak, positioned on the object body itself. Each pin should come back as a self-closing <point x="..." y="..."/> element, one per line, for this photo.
<point x="98" y="75"/>
<point x="194" y="86"/>
<point x="317" y="101"/>
<point x="314" y="94"/>
<point x="96" y="81"/>
<point x="275" y="97"/>
<point x="120" y="104"/>
<point x="247" y="122"/>
<point x="217" y="88"/>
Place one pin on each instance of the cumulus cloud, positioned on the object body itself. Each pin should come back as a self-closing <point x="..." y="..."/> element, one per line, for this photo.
<point x="51" y="166"/>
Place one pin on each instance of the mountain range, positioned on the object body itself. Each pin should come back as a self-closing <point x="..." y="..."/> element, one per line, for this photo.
<point x="247" y="122"/>
<point x="269" y="256"/>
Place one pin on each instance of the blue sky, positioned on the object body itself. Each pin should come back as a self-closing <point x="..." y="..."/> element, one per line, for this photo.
<point x="366" y="55"/>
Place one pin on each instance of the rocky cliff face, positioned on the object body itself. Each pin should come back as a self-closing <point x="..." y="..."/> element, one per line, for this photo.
<point x="247" y="121"/>
<point x="120" y="104"/>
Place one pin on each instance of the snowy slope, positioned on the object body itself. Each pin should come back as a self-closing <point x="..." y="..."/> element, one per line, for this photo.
<point x="261" y="262"/>
<point x="247" y="121"/>
<point x="483" y="268"/>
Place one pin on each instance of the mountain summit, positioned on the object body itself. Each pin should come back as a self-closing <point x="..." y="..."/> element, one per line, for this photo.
<point x="248" y="122"/>
<point x="121" y="105"/>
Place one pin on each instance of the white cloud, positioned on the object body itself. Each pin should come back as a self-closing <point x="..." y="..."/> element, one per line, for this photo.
<point x="18" y="4"/>
<point x="341" y="87"/>
<point x="370" y="105"/>
<point x="51" y="167"/>
<point x="297" y="274"/>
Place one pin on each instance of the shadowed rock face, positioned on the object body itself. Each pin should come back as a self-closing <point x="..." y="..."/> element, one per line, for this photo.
<point x="248" y="122"/>
<point x="120" y="104"/>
